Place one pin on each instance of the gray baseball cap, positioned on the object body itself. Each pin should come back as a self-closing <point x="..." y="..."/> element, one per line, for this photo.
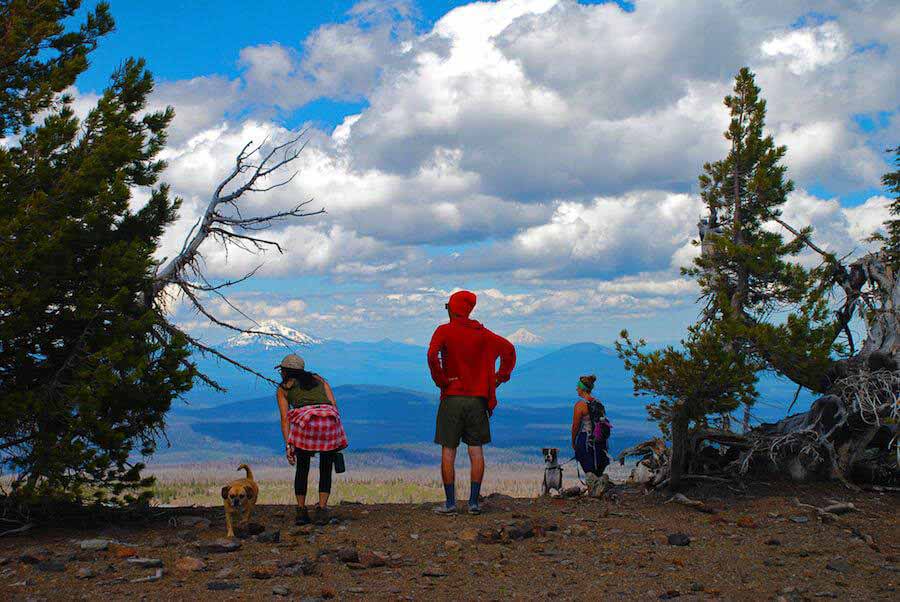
<point x="292" y="361"/>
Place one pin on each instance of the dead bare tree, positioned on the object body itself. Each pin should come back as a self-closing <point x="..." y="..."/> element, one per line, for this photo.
<point x="224" y="222"/>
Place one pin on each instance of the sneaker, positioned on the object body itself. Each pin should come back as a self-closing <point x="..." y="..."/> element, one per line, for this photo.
<point x="474" y="509"/>
<point x="302" y="517"/>
<point x="322" y="517"/>
<point x="443" y="509"/>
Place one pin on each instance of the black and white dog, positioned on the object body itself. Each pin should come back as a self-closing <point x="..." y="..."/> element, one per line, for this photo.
<point x="553" y="472"/>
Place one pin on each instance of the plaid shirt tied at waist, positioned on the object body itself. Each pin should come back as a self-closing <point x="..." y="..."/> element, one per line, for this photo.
<point x="316" y="428"/>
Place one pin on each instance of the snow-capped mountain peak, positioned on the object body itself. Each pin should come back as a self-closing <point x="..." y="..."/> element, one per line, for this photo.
<point x="525" y="337"/>
<point x="286" y="335"/>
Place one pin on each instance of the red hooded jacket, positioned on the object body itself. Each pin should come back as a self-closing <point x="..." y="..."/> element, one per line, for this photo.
<point x="463" y="354"/>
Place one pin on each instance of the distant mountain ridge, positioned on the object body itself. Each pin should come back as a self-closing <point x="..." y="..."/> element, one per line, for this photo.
<point x="525" y="337"/>
<point x="283" y="334"/>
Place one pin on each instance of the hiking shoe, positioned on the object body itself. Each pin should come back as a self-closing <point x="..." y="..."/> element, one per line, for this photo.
<point x="443" y="509"/>
<point x="322" y="517"/>
<point x="302" y="517"/>
<point x="474" y="509"/>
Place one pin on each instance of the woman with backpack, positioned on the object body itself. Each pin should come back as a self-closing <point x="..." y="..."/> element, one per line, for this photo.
<point x="310" y="423"/>
<point x="590" y="429"/>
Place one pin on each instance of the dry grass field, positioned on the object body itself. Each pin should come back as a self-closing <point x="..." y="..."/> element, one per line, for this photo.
<point x="200" y="485"/>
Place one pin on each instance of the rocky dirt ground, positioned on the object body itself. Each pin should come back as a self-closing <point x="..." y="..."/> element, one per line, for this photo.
<point x="758" y="545"/>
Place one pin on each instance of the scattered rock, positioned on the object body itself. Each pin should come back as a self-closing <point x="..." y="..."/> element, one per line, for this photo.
<point x="452" y="545"/>
<point x="746" y="522"/>
<point x="263" y="572"/>
<point x="355" y="590"/>
<point x="773" y="542"/>
<point x="218" y="546"/>
<point x="433" y="571"/>
<point x="839" y="566"/>
<point x="34" y="555"/>
<point x="328" y="593"/>
<point x="273" y="536"/>
<point x="189" y="564"/>
<point x="296" y="568"/>
<point x="469" y="535"/>
<point x="50" y="566"/>
<point x="373" y="559"/>
<point x="94" y="545"/>
<point x="198" y="522"/>
<point x="670" y="594"/>
<point x="85" y="572"/>
<point x="221" y="586"/>
<point x="119" y="551"/>
<point x="697" y="587"/>
<point x="146" y="563"/>
<point x="225" y="573"/>
<point x="799" y="519"/>
<point x="154" y="577"/>
<point x="187" y="535"/>
<point x="280" y="590"/>
<point x="348" y="555"/>
<point x="679" y="539"/>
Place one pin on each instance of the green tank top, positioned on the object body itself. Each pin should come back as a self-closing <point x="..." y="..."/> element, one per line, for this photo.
<point x="298" y="397"/>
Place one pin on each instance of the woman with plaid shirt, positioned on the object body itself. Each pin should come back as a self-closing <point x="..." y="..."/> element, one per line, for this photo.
<point x="310" y="423"/>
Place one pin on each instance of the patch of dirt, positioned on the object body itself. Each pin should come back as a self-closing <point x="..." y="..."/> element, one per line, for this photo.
<point x="758" y="545"/>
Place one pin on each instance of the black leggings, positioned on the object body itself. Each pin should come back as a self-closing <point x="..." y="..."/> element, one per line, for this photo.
<point x="326" y="462"/>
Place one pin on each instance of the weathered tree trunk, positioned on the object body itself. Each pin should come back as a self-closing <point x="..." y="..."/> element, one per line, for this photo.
<point x="680" y="445"/>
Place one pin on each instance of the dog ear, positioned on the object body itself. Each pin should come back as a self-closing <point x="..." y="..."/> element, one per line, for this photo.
<point x="225" y="492"/>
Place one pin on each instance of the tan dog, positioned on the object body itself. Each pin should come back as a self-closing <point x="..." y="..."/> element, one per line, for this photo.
<point x="240" y="498"/>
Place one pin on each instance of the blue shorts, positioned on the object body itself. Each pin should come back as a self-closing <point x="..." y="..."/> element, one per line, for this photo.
<point x="591" y="459"/>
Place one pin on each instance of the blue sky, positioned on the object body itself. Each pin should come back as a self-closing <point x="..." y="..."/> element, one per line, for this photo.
<point x="541" y="152"/>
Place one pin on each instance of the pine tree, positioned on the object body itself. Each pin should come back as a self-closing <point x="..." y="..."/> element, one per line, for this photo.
<point x="748" y="273"/>
<point x="700" y="379"/>
<point x="891" y="239"/>
<point x="39" y="58"/>
<point x="87" y="372"/>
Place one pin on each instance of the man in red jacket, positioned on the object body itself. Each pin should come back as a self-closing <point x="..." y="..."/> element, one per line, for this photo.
<point x="462" y="357"/>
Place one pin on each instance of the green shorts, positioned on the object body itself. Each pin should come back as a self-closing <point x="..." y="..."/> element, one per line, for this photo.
<point x="462" y="418"/>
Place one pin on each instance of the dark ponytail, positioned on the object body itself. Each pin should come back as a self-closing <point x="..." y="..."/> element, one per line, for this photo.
<point x="303" y="379"/>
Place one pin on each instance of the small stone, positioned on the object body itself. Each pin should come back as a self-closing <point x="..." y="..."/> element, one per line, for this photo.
<point x="825" y="595"/>
<point x="356" y="590"/>
<point x="154" y="577"/>
<point x="85" y="572"/>
<point x="372" y="559"/>
<point x="218" y="546"/>
<point x="452" y="545"/>
<point x="34" y="555"/>
<point x="773" y="542"/>
<point x="348" y="555"/>
<point x="225" y="573"/>
<point x="468" y="535"/>
<point x="280" y="590"/>
<point x="94" y="545"/>
<point x="273" y="536"/>
<point x="697" y="587"/>
<point x="773" y="562"/>
<point x="670" y="594"/>
<point x="187" y="535"/>
<point x="839" y="566"/>
<point x="146" y="563"/>
<point x="414" y="536"/>
<point x="189" y="564"/>
<point x="746" y="522"/>
<point x="679" y="539"/>
<point x="50" y="566"/>
<point x="221" y="586"/>
<point x="296" y="568"/>
<point x="328" y="593"/>
<point x="800" y="520"/>
<point x="198" y="522"/>
<point x="122" y="551"/>
<point x="262" y="572"/>
<point x="433" y="571"/>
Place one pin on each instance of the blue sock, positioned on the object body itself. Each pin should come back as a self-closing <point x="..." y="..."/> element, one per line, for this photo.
<point x="450" y="492"/>
<point x="475" y="491"/>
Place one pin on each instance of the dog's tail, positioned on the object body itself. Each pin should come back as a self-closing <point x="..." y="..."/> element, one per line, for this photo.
<point x="246" y="468"/>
